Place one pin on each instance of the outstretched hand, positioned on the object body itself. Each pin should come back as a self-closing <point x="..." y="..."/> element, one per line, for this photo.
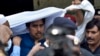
<point x="35" y="48"/>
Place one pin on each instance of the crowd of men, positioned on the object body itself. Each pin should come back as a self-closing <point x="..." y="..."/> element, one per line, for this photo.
<point x="73" y="31"/>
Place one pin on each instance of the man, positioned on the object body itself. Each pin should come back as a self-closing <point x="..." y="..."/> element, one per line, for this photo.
<point x="92" y="42"/>
<point x="18" y="21"/>
<point x="5" y="39"/>
<point x="28" y="40"/>
<point x="5" y="32"/>
<point x="5" y="36"/>
<point x="70" y="28"/>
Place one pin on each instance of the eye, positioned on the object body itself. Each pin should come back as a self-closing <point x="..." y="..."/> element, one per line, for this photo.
<point x="93" y="32"/>
<point x="41" y="25"/>
<point x="34" y="25"/>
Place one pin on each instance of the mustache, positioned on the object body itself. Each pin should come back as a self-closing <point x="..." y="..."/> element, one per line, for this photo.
<point x="39" y="33"/>
<point x="89" y="38"/>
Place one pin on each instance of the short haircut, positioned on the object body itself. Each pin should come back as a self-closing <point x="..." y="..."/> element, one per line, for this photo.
<point x="28" y="24"/>
<point x="92" y="23"/>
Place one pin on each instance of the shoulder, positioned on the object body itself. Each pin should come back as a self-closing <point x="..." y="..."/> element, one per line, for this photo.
<point x="23" y="36"/>
<point x="86" y="52"/>
<point x="26" y="34"/>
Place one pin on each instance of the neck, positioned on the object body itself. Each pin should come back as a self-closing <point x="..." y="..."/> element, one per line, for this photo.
<point x="34" y="38"/>
<point x="93" y="47"/>
<point x="36" y="41"/>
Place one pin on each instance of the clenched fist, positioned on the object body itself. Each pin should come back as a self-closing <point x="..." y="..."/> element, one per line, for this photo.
<point x="16" y="40"/>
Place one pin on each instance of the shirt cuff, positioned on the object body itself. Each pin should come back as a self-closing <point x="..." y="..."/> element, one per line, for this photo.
<point x="16" y="49"/>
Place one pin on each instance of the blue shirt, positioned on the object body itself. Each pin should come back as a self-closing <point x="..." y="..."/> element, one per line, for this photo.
<point x="27" y="43"/>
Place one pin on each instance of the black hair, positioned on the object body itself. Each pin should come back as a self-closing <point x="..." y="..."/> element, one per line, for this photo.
<point x="92" y="23"/>
<point x="28" y="24"/>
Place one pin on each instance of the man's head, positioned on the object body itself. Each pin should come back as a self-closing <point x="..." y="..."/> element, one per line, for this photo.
<point x="58" y="30"/>
<point x="65" y="23"/>
<point x="93" y="32"/>
<point x="57" y="35"/>
<point x="5" y="34"/>
<point x="36" y="28"/>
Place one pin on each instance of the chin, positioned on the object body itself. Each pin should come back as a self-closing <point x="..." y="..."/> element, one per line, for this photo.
<point x="91" y="43"/>
<point x="38" y="37"/>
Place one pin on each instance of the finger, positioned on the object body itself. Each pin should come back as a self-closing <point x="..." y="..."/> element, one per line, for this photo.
<point x="41" y="47"/>
<point x="38" y="44"/>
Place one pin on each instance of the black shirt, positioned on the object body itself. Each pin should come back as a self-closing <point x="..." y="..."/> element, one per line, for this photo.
<point x="95" y="53"/>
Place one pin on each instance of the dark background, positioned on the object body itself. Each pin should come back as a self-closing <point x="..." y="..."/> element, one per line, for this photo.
<point x="8" y="7"/>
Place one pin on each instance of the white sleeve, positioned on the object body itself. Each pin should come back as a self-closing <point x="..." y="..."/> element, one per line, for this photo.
<point x="17" y="21"/>
<point x="2" y="19"/>
<point x="89" y="13"/>
<point x="16" y="51"/>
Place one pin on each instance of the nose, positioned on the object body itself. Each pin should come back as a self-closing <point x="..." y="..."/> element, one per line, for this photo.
<point x="89" y="34"/>
<point x="39" y="28"/>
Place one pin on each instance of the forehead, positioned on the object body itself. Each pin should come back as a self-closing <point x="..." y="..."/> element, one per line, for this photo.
<point x="94" y="28"/>
<point x="37" y="22"/>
